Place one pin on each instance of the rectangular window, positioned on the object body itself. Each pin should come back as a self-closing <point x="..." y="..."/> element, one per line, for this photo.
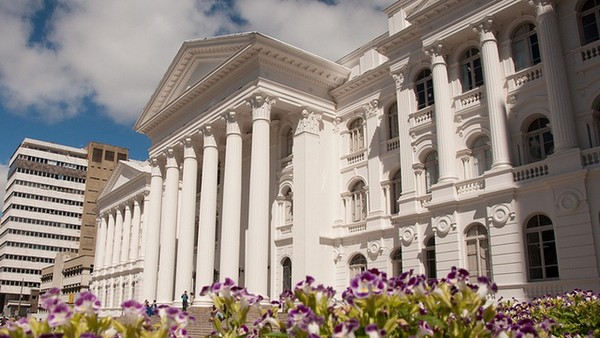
<point x="109" y="155"/>
<point x="121" y="157"/>
<point x="97" y="155"/>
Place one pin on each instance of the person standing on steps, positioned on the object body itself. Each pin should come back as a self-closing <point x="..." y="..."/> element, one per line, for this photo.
<point x="184" y="300"/>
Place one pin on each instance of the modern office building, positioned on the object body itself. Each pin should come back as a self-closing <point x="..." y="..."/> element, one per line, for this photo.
<point x="49" y="214"/>
<point x="467" y="135"/>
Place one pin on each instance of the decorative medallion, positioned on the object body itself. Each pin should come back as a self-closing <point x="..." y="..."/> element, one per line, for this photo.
<point x="443" y="225"/>
<point x="568" y="200"/>
<point x="408" y="235"/>
<point x="375" y="247"/>
<point x="500" y="214"/>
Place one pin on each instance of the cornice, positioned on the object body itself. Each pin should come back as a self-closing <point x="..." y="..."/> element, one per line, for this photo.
<point x="361" y="81"/>
<point x="392" y="42"/>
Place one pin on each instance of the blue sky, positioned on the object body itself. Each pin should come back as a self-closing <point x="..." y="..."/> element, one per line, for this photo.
<point x="76" y="71"/>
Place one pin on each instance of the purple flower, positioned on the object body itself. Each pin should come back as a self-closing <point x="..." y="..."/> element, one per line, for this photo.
<point x="424" y="329"/>
<point x="374" y="332"/>
<point x="132" y="312"/>
<point x="59" y="315"/>
<point x="50" y="299"/>
<point x="346" y="329"/>
<point x="87" y="303"/>
<point x="368" y="283"/>
<point x="304" y="319"/>
<point x="89" y="335"/>
<point x="51" y="335"/>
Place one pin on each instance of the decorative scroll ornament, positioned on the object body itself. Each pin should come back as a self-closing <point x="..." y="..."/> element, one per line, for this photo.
<point x="337" y="254"/>
<point x="500" y="214"/>
<point x="408" y="235"/>
<point x="371" y="108"/>
<point x="375" y="247"/>
<point x="444" y="225"/>
<point x="310" y="123"/>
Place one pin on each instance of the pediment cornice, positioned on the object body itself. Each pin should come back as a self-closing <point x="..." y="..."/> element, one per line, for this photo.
<point x="361" y="81"/>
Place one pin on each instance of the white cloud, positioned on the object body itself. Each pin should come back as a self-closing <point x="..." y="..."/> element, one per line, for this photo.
<point x="3" y="174"/>
<point x="115" y="51"/>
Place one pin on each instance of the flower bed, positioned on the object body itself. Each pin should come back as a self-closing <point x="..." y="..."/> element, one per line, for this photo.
<point x="372" y="306"/>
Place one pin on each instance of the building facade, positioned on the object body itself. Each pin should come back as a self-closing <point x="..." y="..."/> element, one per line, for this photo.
<point x="467" y="135"/>
<point x="41" y="217"/>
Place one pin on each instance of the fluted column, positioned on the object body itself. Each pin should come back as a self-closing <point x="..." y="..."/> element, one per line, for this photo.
<point x="152" y="230"/>
<point x="126" y="234"/>
<point x="257" y="259"/>
<point x="118" y="237"/>
<point x="492" y="73"/>
<point x="110" y="239"/>
<point x="100" y="243"/>
<point x="168" y="229"/>
<point x="232" y="201"/>
<point x="185" y="247"/>
<point x="444" y="121"/>
<point x="205" y="260"/>
<point x="135" y="230"/>
<point x="145" y="223"/>
<point x="558" y="95"/>
<point x="405" y="106"/>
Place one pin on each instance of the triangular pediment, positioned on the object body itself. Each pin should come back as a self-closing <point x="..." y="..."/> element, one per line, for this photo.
<point x="125" y="173"/>
<point x="195" y="60"/>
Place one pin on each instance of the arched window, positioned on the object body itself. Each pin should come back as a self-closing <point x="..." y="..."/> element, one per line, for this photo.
<point x="395" y="191"/>
<point x="478" y="258"/>
<point x="589" y="17"/>
<point x="358" y="265"/>
<point x="424" y="89"/>
<point x="430" y="264"/>
<point x="482" y="154"/>
<point x="288" y="206"/>
<point x="396" y="258"/>
<point x="432" y="170"/>
<point x="358" y="200"/>
<point x="525" y="47"/>
<point x="470" y="69"/>
<point x="392" y="119"/>
<point x="540" y="142"/>
<point x="286" y="274"/>
<point x="541" y="248"/>
<point x="357" y="139"/>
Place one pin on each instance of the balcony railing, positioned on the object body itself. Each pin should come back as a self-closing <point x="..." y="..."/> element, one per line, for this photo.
<point x="470" y="185"/>
<point x="356" y="157"/>
<point x="590" y="156"/>
<point x="590" y="51"/>
<point x="527" y="75"/>
<point x="530" y="171"/>
<point x="422" y="116"/>
<point x="358" y="227"/>
<point x="471" y="98"/>
<point x="392" y="144"/>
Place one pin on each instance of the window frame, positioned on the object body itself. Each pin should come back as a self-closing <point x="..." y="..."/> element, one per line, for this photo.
<point x="286" y="274"/>
<point x="357" y="265"/>
<point x="471" y="70"/>
<point x="432" y="170"/>
<point x="358" y="202"/>
<point x="542" y="134"/>
<point x="525" y="47"/>
<point x="356" y="136"/>
<point x="594" y="13"/>
<point x="392" y="120"/>
<point x="482" y="244"/>
<point x="481" y="152"/>
<point x="541" y="225"/>
<point x="424" y="85"/>
<point x="430" y="258"/>
<point x="395" y="191"/>
<point x="396" y="260"/>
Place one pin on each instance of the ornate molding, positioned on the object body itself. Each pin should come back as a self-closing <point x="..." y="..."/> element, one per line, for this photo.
<point x="443" y="225"/>
<point x="261" y="106"/>
<point x="500" y="214"/>
<point x="338" y="253"/>
<point x="310" y="123"/>
<point x="371" y="108"/>
<point x="408" y="235"/>
<point x="375" y="247"/>
<point x="569" y="200"/>
<point x="171" y="159"/>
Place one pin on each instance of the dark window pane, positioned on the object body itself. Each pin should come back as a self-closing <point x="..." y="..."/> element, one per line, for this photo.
<point x="550" y="254"/>
<point x="97" y="155"/>
<point x="552" y="272"/>
<point x="536" y="273"/>
<point x="535" y="258"/>
<point x="548" y="235"/>
<point x="109" y="155"/>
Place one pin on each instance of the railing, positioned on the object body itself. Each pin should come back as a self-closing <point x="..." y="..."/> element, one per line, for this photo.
<point x="530" y="171"/>
<point x="356" y="157"/>
<point x="541" y="289"/>
<point x="423" y="116"/>
<point x="358" y="227"/>
<point x="392" y="144"/>
<point x="527" y="75"/>
<point x="590" y="51"/>
<point x="468" y="99"/>
<point x="590" y="156"/>
<point x="470" y="185"/>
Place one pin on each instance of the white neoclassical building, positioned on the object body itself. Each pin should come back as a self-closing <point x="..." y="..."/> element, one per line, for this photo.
<point x="467" y="135"/>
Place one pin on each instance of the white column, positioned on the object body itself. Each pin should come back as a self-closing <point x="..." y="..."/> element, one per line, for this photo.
<point x="444" y="120"/>
<point x="168" y="232"/>
<point x="492" y="73"/>
<point x="232" y="201"/>
<point x="205" y="259"/>
<point x="152" y="230"/>
<point x="257" y="259"/>
<point x="110" y="239"/>
<point x="185" y="246"/>
<point x="373" y="113"/>
<point x="117" y="239"/>
<point x="145" y="223"/>
<point x="126" y="234"/>
<point x="100" y="243"/>
<point x="135" y="230"/>
<point x="405" y="107"/>
<point x="558" y="95"/>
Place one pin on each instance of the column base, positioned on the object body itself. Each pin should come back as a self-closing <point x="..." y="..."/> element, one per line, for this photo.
<point x="202" y="301"/>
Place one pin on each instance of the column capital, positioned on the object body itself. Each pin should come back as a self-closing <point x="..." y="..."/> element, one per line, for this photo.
<point x="261" y="106"/>
<point x="485" y="29"/>
<point x="543" y="6"/>
<point x="400" y="76"/>
<point x="209" y="137"/>
<point x="371" y="107"/>
<point x="155" y="167"/>
<point x="310" y="122"/>
<point x="437" y="52"/>
<point x="231" y="118"/>
<point x="188" y="147"/>
<point x="171" y="158"/>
